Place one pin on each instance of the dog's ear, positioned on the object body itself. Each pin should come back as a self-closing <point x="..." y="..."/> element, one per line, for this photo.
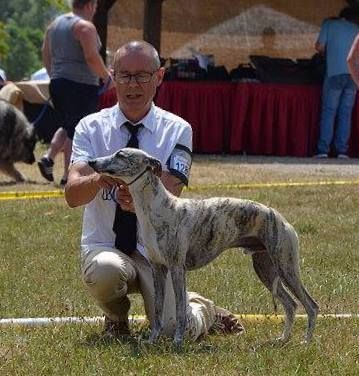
<point x="156" y="166"/>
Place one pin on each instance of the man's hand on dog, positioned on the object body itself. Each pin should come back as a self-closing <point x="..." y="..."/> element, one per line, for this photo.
<point x="124" y="198"/>
<point x="104" y="181"/>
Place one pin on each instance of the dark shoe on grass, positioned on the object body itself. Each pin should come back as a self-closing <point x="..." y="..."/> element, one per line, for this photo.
<point x="46" y="166"/>
<point x="116" y="329"/>
<point x="63" y="182"/>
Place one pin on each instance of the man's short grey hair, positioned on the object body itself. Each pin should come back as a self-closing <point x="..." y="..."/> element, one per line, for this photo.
<point x="139" y="46"/>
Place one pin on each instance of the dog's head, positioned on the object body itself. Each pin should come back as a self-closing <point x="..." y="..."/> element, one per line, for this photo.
<point x="126" y="164"/>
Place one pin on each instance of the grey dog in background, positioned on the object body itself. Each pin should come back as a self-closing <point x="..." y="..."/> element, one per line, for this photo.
<point x="182" y="234"/>
<point x="17" y="141"/>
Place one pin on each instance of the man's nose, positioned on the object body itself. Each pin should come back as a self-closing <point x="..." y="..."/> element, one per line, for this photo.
<point x="133" y="81"/>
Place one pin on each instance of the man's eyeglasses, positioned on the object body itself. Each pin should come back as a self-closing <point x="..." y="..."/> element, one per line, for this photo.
<point x="140" y="78"/>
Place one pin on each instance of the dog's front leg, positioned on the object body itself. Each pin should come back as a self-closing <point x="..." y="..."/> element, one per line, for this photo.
<point x="178" y="275"/>
<point x="159" y="273"/>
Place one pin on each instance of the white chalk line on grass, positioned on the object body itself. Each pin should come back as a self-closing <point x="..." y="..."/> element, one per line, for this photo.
<point x="4" y="196"/>
<point x="45" y="321"/>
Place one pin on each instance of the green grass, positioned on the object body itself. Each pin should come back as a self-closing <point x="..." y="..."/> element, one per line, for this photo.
<point x="76" y="351"/>
<point x="39" y="276"/>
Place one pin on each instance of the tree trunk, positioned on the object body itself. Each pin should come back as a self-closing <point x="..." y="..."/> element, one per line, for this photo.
<point x="100" y="20"/>
<point x="152" y="23"/>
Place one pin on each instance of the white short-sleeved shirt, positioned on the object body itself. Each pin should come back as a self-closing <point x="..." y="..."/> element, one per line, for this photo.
<point x="102" y="134"/>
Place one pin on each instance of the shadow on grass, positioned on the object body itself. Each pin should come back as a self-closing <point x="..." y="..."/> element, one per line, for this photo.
<point x="27" y="182"/>
<point x="137" y="345"/>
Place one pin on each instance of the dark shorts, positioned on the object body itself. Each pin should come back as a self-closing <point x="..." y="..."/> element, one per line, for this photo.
<point x="72" y="102"/>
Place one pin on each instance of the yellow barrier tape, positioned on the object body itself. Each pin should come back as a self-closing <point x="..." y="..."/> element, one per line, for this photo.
<point x="272" y="185"/>
<point x="197" y="188"/>
<point x="30" y="195"/>
<point x="279" y="318"/>
<point x="262" y="317"/>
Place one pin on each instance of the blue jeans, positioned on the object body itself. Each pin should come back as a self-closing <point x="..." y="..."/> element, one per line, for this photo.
<point x="338" y="99"/>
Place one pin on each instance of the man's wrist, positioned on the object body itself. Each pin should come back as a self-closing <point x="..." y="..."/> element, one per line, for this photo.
<point x="94" y="181"/>
<point x="107" y="80"/>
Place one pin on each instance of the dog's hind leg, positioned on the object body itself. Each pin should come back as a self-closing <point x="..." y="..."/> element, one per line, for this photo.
<point x="179" y="286"/>
<point x="287" y="264"/>
<point x="291" y="279"/>
<point x="159" y="273"/>
<point x="282" y="244"/>
<point x="267" y="273"/>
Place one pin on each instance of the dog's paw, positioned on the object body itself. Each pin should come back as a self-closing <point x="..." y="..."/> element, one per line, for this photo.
<point x="178" y="341"/>
<point x="154" y="336"/>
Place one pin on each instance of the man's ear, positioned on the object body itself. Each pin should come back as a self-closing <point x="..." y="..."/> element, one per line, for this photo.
<point x="156" y="166"/>
<point x="160" y="75"/>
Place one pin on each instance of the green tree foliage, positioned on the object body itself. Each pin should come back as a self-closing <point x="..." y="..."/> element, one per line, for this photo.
<point x="4" y="48"/>
<point x="22" y="26"/>
<point x="31" y="13"/>
<point x="22" y="58"/>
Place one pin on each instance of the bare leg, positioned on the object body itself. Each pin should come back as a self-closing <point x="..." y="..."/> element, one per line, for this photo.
<point x="57" y="143"/>
<point x="67" y="156"/>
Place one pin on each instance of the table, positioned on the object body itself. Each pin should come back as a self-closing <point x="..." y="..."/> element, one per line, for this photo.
<point x="36" y="92"/>
<point x="252" y="118"/>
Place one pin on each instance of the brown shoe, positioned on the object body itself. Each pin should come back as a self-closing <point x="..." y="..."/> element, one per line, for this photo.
<point x="116" y="329"/>
<point x="226" y="323"/>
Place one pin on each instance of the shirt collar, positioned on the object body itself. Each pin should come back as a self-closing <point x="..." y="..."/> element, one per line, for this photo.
<point x="147" y="121"/>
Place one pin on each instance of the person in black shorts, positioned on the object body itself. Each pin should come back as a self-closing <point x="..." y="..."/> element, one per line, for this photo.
<point x="71" y="57"/>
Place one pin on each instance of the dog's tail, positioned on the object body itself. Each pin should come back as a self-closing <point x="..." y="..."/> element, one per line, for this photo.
<point x="275" y="293"/>
<point x="282" y="236"/>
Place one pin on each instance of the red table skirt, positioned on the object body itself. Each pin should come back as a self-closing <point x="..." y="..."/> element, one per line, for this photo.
<point x="258" y="119"/>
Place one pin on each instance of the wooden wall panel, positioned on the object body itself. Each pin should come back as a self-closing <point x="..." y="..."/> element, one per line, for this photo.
<point x="229" y="29"/>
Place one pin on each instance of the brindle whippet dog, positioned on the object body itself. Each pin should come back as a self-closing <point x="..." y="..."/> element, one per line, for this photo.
<point x="182" y="234"/>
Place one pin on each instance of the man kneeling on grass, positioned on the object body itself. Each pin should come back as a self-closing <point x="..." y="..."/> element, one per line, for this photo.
<point x="113" y="260"/>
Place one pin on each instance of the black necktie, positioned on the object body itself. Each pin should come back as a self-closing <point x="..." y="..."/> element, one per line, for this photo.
<point x="125" y="223"/>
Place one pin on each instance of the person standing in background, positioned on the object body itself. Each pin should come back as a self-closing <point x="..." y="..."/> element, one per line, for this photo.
<point x="339" y="91"/>
<point x="71" y="57"/>
<point x="353" y="61"/>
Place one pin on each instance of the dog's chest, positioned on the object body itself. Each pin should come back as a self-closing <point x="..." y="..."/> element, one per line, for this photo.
<point x="150" y="241"/>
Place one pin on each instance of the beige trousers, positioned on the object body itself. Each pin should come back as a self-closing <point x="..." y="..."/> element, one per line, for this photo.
<point x="110" y="276"/>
